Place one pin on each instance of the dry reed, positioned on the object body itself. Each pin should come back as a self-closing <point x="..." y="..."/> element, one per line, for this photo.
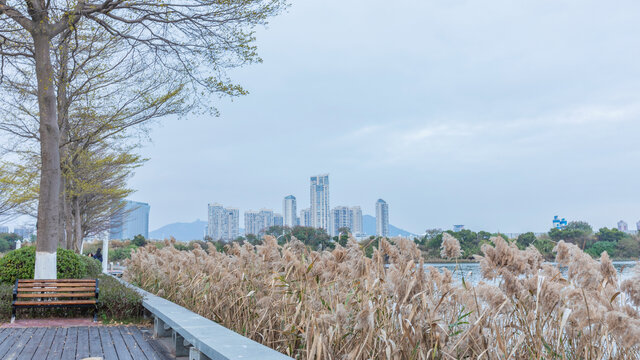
<point x="340" y="304"/>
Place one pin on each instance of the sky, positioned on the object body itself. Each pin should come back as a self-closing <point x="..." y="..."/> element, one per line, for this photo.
<point x="493" y="114"/>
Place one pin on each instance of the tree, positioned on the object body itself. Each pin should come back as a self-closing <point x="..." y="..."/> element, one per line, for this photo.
<point x="192" y="40"/>
<point x="139" y="240"/>
<point x="526" y="239"/>
<point x="628" y="247"/>
<point x="599" y="247"/>
<point x="610" y="235"/>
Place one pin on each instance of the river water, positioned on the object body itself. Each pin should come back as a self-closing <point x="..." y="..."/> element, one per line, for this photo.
<point x="472" y="274"/>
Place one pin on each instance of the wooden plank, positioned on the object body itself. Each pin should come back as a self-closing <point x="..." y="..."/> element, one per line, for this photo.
<point x="118" y="342"/>
<point x="49" y="285"/>
<point x="19" y="345"/>
<point x="95" y="347"/>
<point x="70" y="344"/>
<point x="68" y="289"/>
<point x="32" y="345"/>
<point x="20" y="281"/>
<point x="108" y="348"/>
<point x="7" y="344"/>
<point x="82" y="349"/>
<point x="57" y="295"/>
<point x="148" y="350"/>
<point x="63" y="302"/>
<point x="4" y="333"/>
<point x="45" y="344"/>
<point x="134" y="349"/>
<point x="57" y="347"/>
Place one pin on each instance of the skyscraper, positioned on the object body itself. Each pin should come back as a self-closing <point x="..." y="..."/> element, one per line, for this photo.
<point x="320" y="201"/>
<point x="215" y="222"/>
<point x="340" y="218"/>
<point x="382" y="218"/>
<point x="230" y="224"/>
<point x="278" y="220"/>
<point x="305" y="217"/>
<point x="223" y="223"/>
<point x="252" y="222"/>
<point x="622" y="226"/>
<point x="267" y="219"/>
<point x="131" y="220"/>
<point x="4" y="229"/>
<point x="356" y="220"/>
<point x="290" y="211"/>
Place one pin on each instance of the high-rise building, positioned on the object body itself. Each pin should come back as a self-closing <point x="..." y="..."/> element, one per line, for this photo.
<point x="131" y="220"/>
<point x="382" y="218"/>
<point x="356" y="220"/>
<point x="4" y="229"/>
<point x="340" y="218"/>
<point x="257" y="222"/>
<point x="623" y="226"/>
<point x="252" y="222"/>
<point x="320" y="201"/>
<point x="230" y="224"/>
<point x="290" y="211"/>
<point x="267" y="219"/>
<point x="458" y="228"/>
<point x="215" y="221"/>
<point x="278" y="220"/>
<point x="305" y="217"/>
<point x="223" y="223"/>
<point x="24" y="232"/>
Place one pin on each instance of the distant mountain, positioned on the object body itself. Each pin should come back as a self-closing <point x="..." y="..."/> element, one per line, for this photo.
<point x="369" y="227"/>
<point x="195" y="230"/>
<point x="181" y="231"/>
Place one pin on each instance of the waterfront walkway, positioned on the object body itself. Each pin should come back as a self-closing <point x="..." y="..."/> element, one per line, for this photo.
<point x="61" y="343"/>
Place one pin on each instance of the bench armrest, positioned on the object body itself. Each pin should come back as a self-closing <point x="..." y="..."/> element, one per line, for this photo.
<point x="97" y="289"/>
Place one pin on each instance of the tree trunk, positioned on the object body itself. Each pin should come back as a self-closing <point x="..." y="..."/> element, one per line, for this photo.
<point x="77" y="224"/>
<point x="63" y="122"/>
<point x="68" y="224"/>
<point x="49" y="197"/>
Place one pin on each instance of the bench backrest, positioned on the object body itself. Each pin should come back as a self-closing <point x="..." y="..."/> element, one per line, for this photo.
<point x="56" y="288"/>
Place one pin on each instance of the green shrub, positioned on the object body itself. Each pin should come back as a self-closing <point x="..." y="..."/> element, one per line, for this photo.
<point x="118" y="302"/>
<point x="19" y="264"/>
<point x="93" y="266"/>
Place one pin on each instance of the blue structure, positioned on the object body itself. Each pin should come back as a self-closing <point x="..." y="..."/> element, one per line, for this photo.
<point x="559" y="223"/>
<point x="130" y="221"/>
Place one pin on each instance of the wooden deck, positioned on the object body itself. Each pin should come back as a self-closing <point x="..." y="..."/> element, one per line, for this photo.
<point x="62" y="343"/>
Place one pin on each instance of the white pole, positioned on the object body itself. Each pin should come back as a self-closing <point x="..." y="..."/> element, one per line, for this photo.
<point x="105" y="254"/>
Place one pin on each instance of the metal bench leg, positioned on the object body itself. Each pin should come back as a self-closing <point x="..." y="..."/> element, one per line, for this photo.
<point x="95" y="314"/>
<point x="13" y="314"/>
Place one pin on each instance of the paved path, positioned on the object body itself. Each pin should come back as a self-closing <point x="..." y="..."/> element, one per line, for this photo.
<point x="62" y="343"/>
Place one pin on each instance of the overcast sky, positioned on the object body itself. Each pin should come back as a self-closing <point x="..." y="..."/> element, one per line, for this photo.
<point x="494" y="114"/>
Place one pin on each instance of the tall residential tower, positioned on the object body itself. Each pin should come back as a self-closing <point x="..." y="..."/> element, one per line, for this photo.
<point x="320" y="201"/>
<point x="382" y="218"/>
<point x="131" y="220"/>
<point x="223" y="223"/>
<point x="290" y="211"/>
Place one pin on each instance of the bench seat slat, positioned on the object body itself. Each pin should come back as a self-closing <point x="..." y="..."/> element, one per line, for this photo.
<point x="87" y="283"/>
<point x="62" y="302"/>
<point x="52" y="289"/>
<point x="54" y="280"/>
<point x="56" y="295"/>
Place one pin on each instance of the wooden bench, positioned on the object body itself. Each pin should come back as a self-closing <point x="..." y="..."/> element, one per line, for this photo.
<point x="70" y="293"/>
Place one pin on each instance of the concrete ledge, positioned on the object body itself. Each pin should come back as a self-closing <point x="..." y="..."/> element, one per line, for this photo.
<point x="207" y="337"/>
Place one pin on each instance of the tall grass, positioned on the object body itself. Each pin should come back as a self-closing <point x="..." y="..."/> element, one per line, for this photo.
<point x="340" y="304"/>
